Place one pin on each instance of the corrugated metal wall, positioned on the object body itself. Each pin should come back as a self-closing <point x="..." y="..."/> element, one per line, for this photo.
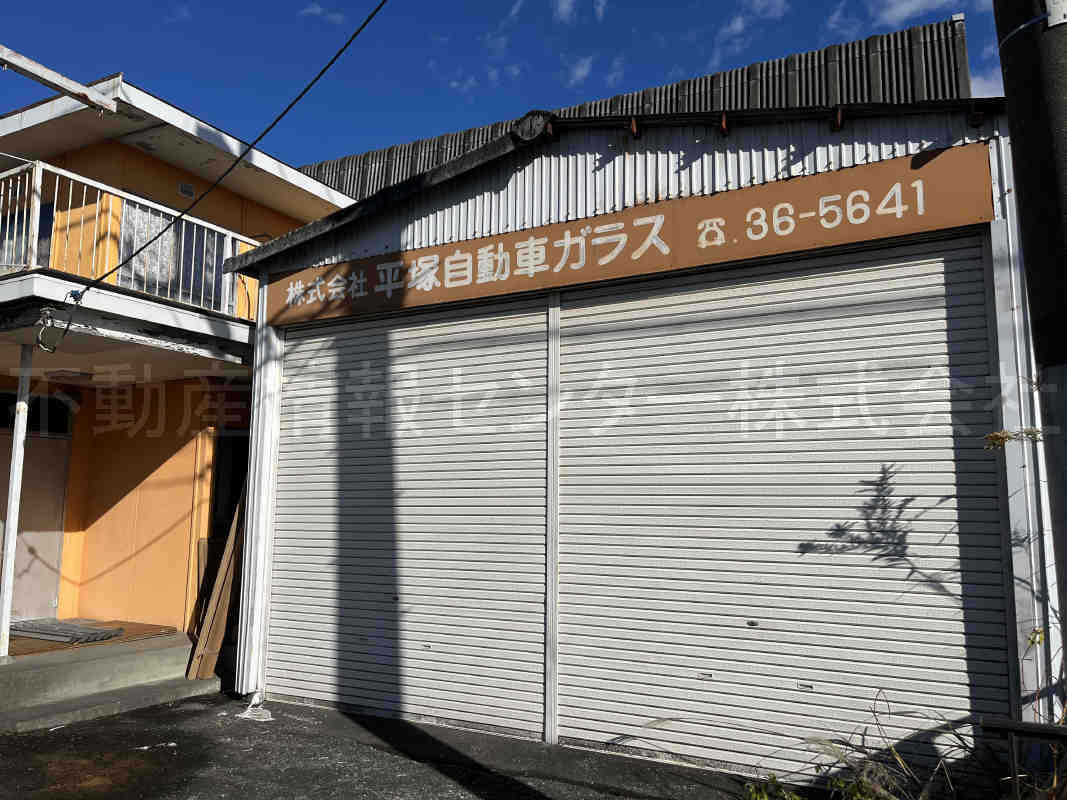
<point x="598" y="171"/>
<point x="775" y="504"/>
<point x="927" y="62"/>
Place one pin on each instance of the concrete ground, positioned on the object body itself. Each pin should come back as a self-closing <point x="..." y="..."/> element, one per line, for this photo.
<point x="201" y="748"/>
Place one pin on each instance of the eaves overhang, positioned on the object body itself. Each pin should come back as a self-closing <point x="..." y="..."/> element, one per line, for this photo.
<point x="46" y="129"/>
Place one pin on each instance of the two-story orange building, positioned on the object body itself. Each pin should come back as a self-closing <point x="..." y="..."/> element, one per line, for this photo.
<point x="136" y="442"/>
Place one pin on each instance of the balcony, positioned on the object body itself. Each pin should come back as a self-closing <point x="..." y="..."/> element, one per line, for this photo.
<point x="53" y="219"/>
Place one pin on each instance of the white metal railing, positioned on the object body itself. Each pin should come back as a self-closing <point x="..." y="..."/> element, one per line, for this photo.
<point x="59" y="220"/>
<point x="16" y="208"/>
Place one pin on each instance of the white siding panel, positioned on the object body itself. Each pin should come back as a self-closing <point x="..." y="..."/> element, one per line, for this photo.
<point x="774" y="502"/>
<point x="409" y="551"/>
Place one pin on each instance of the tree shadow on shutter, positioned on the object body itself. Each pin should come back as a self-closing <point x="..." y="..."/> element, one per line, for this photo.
<point x="884" y="522"/>
<point x="934" y="522"/>
<point x="882" y="531"/>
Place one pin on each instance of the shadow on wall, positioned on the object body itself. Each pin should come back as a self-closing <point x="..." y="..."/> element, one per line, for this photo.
<point x="359" y="613"/>
<point x="898" y="572"/>
<point x="140" y="488"/>
<point x="881" y="531"/>
<point x="366" y="637"/>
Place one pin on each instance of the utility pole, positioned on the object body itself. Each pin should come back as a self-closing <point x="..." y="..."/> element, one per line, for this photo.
<point x="1032" y="36"/>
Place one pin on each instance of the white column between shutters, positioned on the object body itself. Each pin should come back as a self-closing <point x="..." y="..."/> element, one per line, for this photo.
<point x="259" y="504"/>
<point x="552" y="528"/>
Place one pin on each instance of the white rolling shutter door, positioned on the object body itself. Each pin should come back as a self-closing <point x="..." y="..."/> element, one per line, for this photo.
<point x="737" y="572"/>
<point x="409" y="552"/>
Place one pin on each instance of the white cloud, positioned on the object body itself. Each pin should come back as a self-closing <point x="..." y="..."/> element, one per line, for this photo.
<point x="579" y="71"/>
<point x="715" y="61"/>
<point x="315" y="10"/>
<point x="735" y="27"/>
<point x="769" y="9"/>
<point x="991" y="51"/>
<point x="563" y="10"/>
<point x="729" y="42"/>
<point x="464" y="85"/>
<point x="600" y="8"/>
<point x="988" y="84"/>
<point x="737" y="34"/>
<point x="497" y="40"/>
<point x="514" y="70"/>
<point x="614" y="76"/>
<point x="180" y="13"/>
<point x="493" y="74"/>
<point x="896" y="12"/>
<point x="841" y="23"/>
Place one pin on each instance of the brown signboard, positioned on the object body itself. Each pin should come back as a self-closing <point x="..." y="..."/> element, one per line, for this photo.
<point x="914" y="194"/>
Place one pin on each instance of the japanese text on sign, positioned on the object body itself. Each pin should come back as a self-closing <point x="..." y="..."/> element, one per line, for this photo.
<point x="900" y="196"/>
<point x="491" y="263"/>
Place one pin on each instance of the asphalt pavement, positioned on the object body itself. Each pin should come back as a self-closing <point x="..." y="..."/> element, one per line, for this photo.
<point x="203" y="748"/>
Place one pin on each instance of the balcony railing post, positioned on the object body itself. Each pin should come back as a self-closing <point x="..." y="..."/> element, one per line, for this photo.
<point x="227" y="280"/>
<point x="25" y="242"/>
<point x="33" y="232"/>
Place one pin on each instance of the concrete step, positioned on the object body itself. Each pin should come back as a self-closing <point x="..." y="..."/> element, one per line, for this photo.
<point x="104" y="704"/>
<point x="35" y="680"/>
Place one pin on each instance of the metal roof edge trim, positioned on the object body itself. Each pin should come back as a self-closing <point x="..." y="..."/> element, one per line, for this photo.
<point x="989" y="105"/>
<point x="529" y="129"/>
<point x="192" y="125"/>
<point x="115" y="77"/>
<point x="524" y="132"/>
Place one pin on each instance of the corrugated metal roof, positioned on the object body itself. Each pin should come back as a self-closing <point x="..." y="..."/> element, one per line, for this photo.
<point x="927" y="62"/>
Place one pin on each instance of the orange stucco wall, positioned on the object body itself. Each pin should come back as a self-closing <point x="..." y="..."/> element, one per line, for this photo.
<point x="137" y="502"/>
<point x="247" y="291"/>
<point x="138" y="499"/>
<point x="85" y="229"/>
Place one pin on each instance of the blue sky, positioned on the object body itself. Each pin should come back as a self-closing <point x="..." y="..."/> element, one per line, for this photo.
<point x="425" y="68"/>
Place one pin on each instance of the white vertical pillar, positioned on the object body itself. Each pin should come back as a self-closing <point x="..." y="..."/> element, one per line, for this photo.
<point x="257" y="549"/>
<point x="14" y="494"/>
<point x="35" y="217"/>
<point x="552" y="530"/>
<point x="229" y="280"/>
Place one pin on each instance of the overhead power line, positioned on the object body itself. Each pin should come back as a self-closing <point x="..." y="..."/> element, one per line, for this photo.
<point x="77" y="295"/>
